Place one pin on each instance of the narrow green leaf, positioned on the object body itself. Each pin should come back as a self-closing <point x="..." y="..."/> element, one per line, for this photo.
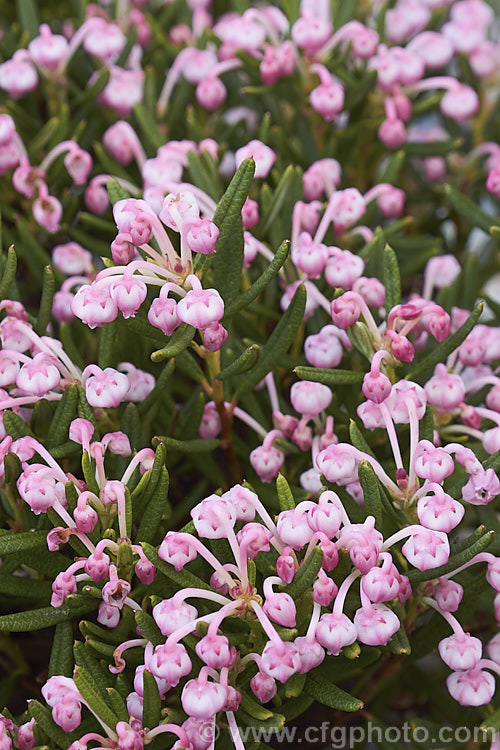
<point x="84" y="408"/>
<point x="243" y="300"/>
<point x="66" y="411"/>
<point x="36" y="619"/>
<point x="306" y="574"/>
<point x="392" y="279"/>
<point x="61" y="657"/>
<point x="446" y="347"/>
<point x="11" y="542"/>
<point x="15" y="426"/>
<point x="107" y="344"/>
<point x="285" y="497"/>
<point x="115" y="191"/>
<point x="254" y="709"/>
<point x="190" y="446"/>
<point x="331" y="695"/>
<point x="149" y="127"/>
<point x="273" y="208"/>
<point x="27" y="14"/>
<point x="329" y="377"/>
<point x="279" y="341"/>
<point x="431" y="148"/>
<point x="369" y="483"/>
<point x="277" y="722"/>
<point x="179" y="341"/>
<point x="89" y="474"/>
<point x="149" y="628"/>
<point x="152" y="701"/>
<point x="9" y="272"/>
<point x="228" y="258"/>
<point x="157" y="507"/>
<point x="117" y="703"/>
<point x="357" y="438"/>
<point x="469" y="210"/>
<point x="26" y="588"/>
<point x="86" y="686"/>
<point x="243" y="363"/>
<point x="201" y="175"/>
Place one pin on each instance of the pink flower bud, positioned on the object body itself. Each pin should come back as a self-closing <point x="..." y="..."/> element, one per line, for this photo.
<point x="293" y="527"/>
<point x="18" y="76"/>
<point x="254" y="538"/>
<point x="333" y="632"/>
<point x="280" y="660"/>
<point x="176" y="550"/>
<point x="345" y="310"/>
<point x="47" y="212"/>
<point x="97" y="567"/>
<point x="343" y="268"/>
<point x="263" y="156"/>
<point x="460" y="651"/>
<point x="460" y="103"/>
<point x="439" y="511"/>
<point x="267" y="462"/>
<point x="337" y="463"/>
<point x="121" y="141"/>
<point x="7" y="129"/>
<point x="85" y="516"/>
<point x="280" y="608"/>
<point x="39" y="376"/>
<point x="326" y="516"/>
<point x="163" y="313"/>
<point x="250" y="213"/>
<point x="124" y="90"/>
<point x="201" y="235"/>
<point x="79" y="164"/>
<point x="328" y="100"/>
<point x="310" y="33"/>
<point x="403" y="392"/>
<point x="67" y="713"/>
<point x="324" y="589"/>
<point x="128" y="293"/>
<point x="392" y="133"/>
<point x="170" y="614"/>
<point x="376" y="388"/>
<point x="382" y="584"/>
<point x="104" y="388"/>
<point x="309" y="398"/>
<point x="25" y="736"/>
<point x="375" y="625"/>
<point x="433" y="463"/>
<point x="211" y="93"/>
<point x="94" y="305"/>
<point x="263" y="686"/>
<point x="448" y="594"/>
<point x="475" y="687"/>
<point x="203" y="699"/>
<point x="64" y="583"/>
<point x="108" y="616"/>
<point x="210" y="425"/>
<point x="200" y="307"/>
<point x="214" y="336"/>
<point x="212" y="515"/>
<point x="322" y="175"/>
<point x="37" y="487"/>
<point x="169" y="662"/>
<point x="96" y="197"/>
<point x="427" y="549"/>
<point x="216" y="651"/>
<point x="72" y="259"/>
<point x="347" y="208"/>
<point x="324" y="349"/>
<point x="285" y="566"/>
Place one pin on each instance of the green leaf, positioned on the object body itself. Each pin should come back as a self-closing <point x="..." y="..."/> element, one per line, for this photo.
<point x="11" y="542"/>
<point x="228" y="259"/>
<point x="36" y="619"/>
<point x="26" y="11"/>
<point x="66" y="411"/>
<point x="357" y="438"/>
<point x="149" y="628"/>
<point x="432" y="148"/>
<point x="84" y="408"/>
<point x="455" y="561"/>
<point x="86" y="686"/>
<point x="243" y="300"/>
<point x="254" y="709"/>
<point x="272" y="210"/>
<point x="306" y="574"/>
<point x="279" y="341"/>
<point x="285" y="497"/>
<point x="152" y="701"/>
<point x="9" y="272"/>
<point x="369" y="483"/>
<point x="179" y="341"/>
<point x="202" y="176"/>
<point x="149" y="127"/>
<point x="45" y="309"/>
<point x="469" y="210"/>
<point x="198" y="445"/>
<point x="182" y="578"/>
<point x="117" y="703"/>
<point x="243" y="363"/>
<point x="115" y="191"/>
<point x="392" y="279"/>
<point x="61" y="657"/>
<point x="331" y="695"/>
<point x="89" y="475"/>
<point x="157" y="507"/>
<point x="15" y="426"/>
<point x="446" y="347"/>
<point x="329" y="377"/>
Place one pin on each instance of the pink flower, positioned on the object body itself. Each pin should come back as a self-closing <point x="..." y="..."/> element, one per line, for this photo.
<point x="427" y="549"/>
<point x="439" y="511"/>
<point x="105" y="388"/>
<point x="39" y="376"/>
<point x="309" y="398"/>
<point x="263" y="686"/>
<point x="176" y="550"/>
<point x="334" y="631"/>
<point x="170" y="614"/>
<point x="200" y="307"/>
<point x="280" y="608"/>
<point x="474" y="687"/>
<point x="375" y="625"/>
<point x="94" y="305"/>
<point x="482" y="487"/>
<point x="280" y="660"/>
<point x="460" y="651"/>
<point x="169" y="662"/>
<point x="263" y="156"/>
<point x="203" y="699"/>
